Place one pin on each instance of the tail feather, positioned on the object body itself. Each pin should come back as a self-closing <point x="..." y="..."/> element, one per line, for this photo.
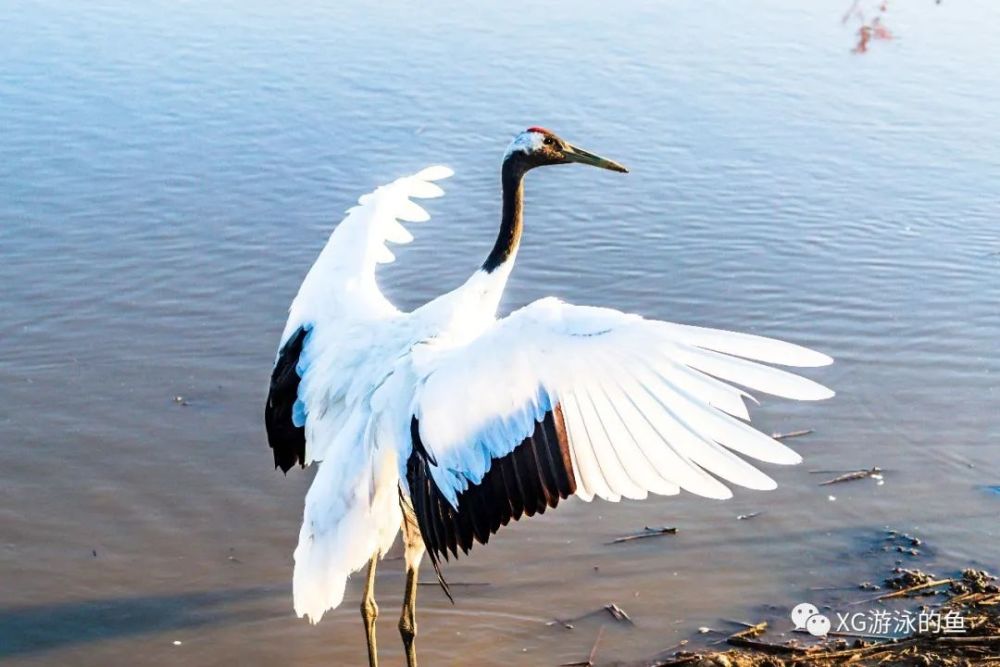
<point x="342" y="526"/>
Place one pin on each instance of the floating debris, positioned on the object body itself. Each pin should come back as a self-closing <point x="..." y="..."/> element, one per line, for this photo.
<point x="875" y="473"/>
<point x="869" y="29"/>
<point x="646" y="532"/>
<point x="895" y="535"/>
<point x="612" y="608"/>
<point x="744" y="517"/>
<point x="792" y="434"/>
<point x="618" y="613"/>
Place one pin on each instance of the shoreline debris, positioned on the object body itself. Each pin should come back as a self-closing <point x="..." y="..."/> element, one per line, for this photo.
<point x="974" y="595"/>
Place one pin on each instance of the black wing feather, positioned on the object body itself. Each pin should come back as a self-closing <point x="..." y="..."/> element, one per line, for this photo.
<point x="286" y="439"/>
<point x="536" y="475"/>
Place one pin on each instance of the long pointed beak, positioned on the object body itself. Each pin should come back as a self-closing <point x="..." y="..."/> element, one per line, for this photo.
<point x="574" y="154"/>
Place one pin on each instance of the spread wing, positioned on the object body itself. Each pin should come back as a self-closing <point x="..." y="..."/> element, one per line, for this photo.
<point x="558" y="400"/>
<point x="327" y="335"/>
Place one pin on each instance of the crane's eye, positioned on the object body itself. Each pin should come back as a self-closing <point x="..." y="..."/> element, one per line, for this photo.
<point x="548" y="141"/>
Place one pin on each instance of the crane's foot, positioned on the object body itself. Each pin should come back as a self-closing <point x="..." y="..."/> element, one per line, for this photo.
<point x="413" y="552"/>
<point x="408" y="631"/>
<point x="369" y="612"/>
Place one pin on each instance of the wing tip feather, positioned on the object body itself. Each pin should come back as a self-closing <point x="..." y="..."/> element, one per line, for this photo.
<point x="435" y="173"/>
<point x="819" y="392"/>
<point x="813" y="359"/>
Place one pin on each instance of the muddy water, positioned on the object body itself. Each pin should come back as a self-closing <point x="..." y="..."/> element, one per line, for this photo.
<point x="169" y="170"/>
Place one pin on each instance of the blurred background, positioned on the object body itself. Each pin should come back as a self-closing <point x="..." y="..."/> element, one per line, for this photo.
<point x="169" y="170"/>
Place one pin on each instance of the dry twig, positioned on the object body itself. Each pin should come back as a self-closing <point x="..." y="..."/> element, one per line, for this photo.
<point x="854" y="474"/>
<point x="911" y="589"/>
<point x="646" y="532"/>
<point x="618" y="613"/>
<point x="792" y="434"/>
<point x="589" y="662"/>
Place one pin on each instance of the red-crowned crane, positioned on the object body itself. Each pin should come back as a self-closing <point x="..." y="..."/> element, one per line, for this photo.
<point x="448" y="423"/>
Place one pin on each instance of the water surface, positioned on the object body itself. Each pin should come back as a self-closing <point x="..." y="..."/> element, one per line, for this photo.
<point x="169" y="170"/>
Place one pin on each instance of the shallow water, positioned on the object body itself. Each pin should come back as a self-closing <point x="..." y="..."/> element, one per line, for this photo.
<point x="168" y="172"/>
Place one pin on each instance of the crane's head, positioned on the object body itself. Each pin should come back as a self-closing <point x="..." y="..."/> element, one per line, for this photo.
<point x="537" y="147"/>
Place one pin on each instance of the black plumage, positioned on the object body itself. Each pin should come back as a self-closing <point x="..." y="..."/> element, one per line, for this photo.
<point x="287" y="440"/>
<point x="534" y="476"/>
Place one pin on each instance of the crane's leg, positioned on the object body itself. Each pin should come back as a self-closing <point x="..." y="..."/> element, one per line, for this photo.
<point x="369" y="611"/>
<point x="414" y="545"/>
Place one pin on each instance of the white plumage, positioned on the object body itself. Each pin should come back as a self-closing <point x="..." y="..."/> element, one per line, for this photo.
<point x="645" y="406"/>
<point x="642" y="414"/>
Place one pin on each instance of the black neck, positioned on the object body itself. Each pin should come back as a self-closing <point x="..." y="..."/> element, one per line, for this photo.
<point x="511" y="220"/>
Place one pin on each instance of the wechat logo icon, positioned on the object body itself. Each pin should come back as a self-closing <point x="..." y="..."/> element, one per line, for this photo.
<point x="806" y="617"/>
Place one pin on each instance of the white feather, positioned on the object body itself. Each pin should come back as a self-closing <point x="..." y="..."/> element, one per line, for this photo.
<point x="411" y="212"/>
<point x="354" y="336"/>
<point x="648" y="407"/>
<point x="397" y="233"/>
<point x="435" y="173"/>
<point x="749" y="346"/>
<point x="668" y="432"/>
